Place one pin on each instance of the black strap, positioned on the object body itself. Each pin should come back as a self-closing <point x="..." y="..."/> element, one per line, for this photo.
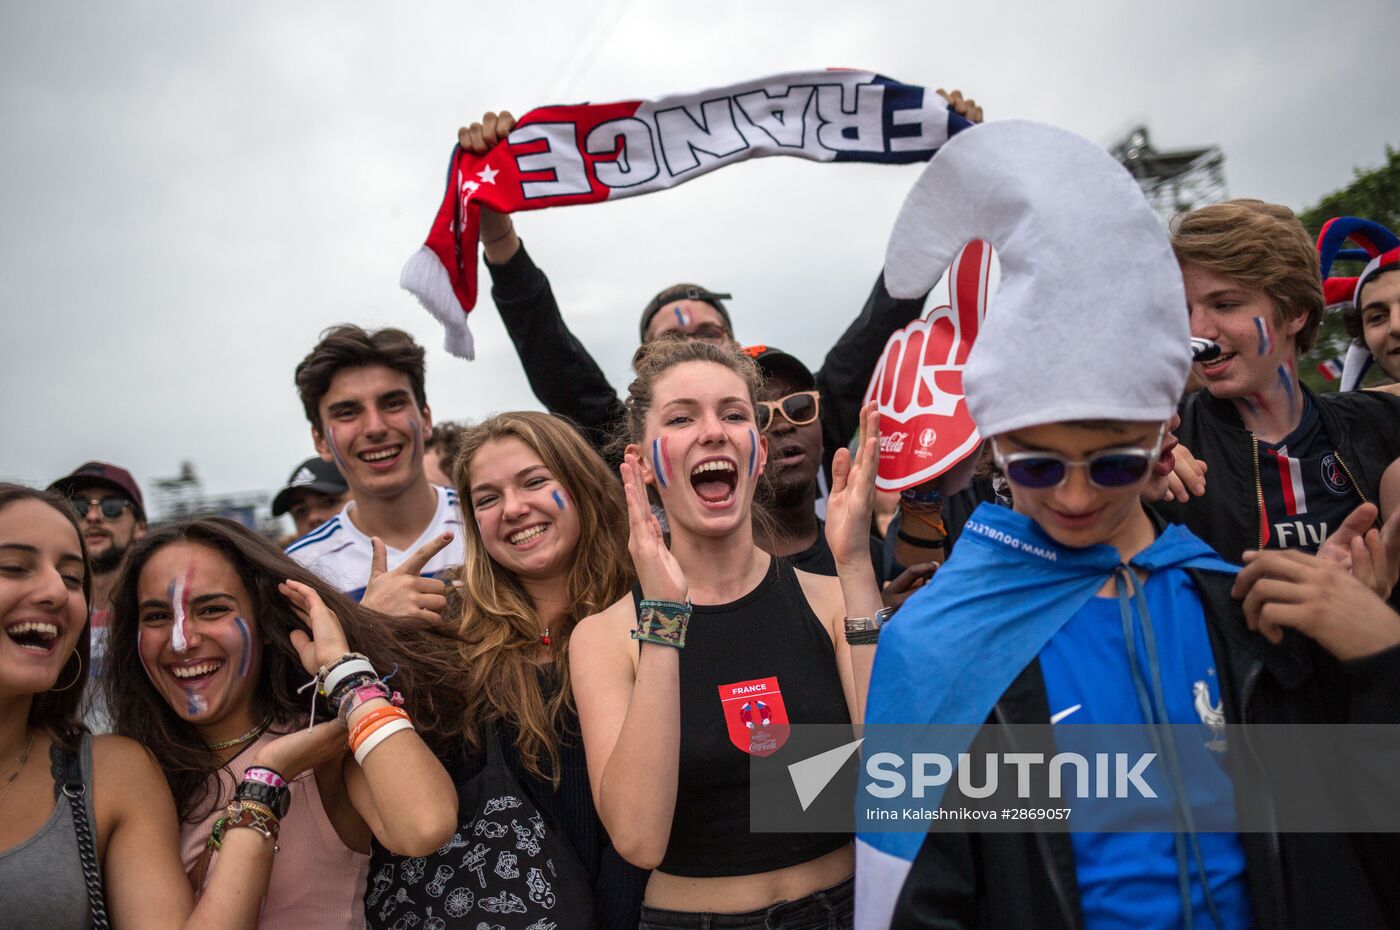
<point x="67" y="769"/>
<point x="921" y="543"/>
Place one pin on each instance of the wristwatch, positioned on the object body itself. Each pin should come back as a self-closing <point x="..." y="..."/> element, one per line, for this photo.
<point x="277" y="800"/>
<point x="868" y="624"/>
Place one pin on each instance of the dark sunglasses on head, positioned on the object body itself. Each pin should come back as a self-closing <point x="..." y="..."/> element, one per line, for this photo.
<point x="1110" y="468"/>
<point x="798" y="409"/>
<point x="110" y="507"/>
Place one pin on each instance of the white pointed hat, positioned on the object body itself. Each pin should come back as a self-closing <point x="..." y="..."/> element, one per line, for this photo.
<point x="1090" y="320"/>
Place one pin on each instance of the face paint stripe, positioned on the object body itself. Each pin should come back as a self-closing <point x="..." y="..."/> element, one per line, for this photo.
<point x="753" y="451"/>
<point x="559" y="500"/>
<point x="1265" y="343"/>
<point x="656" y="462"/>
<point x="176" y="597"/>
<point x="681" y="317"/>
<point x="1287" y="383"/>
<point x="335" y="451"/>
<point x="247" y="658"/>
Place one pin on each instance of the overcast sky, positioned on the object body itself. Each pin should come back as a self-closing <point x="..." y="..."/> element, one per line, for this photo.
<point x="191" y="192"/>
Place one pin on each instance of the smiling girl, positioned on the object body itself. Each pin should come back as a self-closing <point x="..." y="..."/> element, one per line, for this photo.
<point x="214" y="634"/>
<point x="544" y="547"/>
<point x="716" y="651"/>
<point x="88" y="831"/>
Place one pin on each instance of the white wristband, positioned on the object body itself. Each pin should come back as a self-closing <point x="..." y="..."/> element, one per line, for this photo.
<point x="378" y="736"/>
<point x="343" y="671"/>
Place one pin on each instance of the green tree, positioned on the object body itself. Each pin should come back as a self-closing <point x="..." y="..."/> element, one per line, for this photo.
<point x="1374" y="194"/>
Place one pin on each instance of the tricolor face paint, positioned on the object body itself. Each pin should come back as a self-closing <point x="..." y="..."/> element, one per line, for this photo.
<point x="660" y="462"/>
<point x="247" y="644"/>
<point x="682" y="318"/>
<point x="1266" y="342"/>
<point x="753" y="452"/>
<point x="197" y="642"/>
<point x="340" y="462"/>
<point x="559" y="499"/>
<point x="1285" y="379"/>
<point x="178" y="594"/>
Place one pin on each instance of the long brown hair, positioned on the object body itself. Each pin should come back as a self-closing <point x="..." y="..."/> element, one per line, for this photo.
<point x="56" y="710"/>
<point x="497" y="621"/>
<point x="423" y="652"/>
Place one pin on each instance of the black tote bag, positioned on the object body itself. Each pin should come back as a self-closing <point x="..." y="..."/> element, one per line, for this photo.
<point x="507" y="867"/>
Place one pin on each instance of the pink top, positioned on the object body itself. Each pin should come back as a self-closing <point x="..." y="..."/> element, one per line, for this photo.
<point x="316" y="880"/>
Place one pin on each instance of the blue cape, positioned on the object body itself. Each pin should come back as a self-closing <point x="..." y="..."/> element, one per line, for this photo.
<point x="951" y="651"/>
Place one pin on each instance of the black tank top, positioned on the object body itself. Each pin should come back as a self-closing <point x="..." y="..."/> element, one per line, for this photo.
<point x="748" y="668"/>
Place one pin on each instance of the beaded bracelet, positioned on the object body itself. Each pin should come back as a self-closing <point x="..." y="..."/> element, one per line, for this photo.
<point x="663" y="623"/>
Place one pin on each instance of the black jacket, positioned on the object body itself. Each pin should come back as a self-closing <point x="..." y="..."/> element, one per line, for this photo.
<point x="570" y="384"/>
<point x="1363" y="427"/>
<point x="1305" y="881"/>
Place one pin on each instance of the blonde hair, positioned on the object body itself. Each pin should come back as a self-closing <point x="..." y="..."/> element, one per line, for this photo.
<point x="496" y="619"/>
<point x="1259" y="245"/>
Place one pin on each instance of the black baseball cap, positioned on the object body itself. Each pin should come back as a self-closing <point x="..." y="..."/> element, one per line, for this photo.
<point x="106" y="475"/>
<point x="685" y="292"/>
<point x="777" y="363"/>
<point x="315" y="474"/>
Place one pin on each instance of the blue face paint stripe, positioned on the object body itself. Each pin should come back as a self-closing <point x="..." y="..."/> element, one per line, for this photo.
<point x="680" y="316"/>
<point x="1264" y="342"/>
<point x="753" y="452"/>
<point x="1287" y="383"/>
<point x="559" y="500"/>
<point x="656" y="461"/>
<point x="247" y="659"/>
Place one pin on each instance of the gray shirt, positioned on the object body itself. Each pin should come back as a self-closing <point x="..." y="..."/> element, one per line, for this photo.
<point x="41" y="879"/>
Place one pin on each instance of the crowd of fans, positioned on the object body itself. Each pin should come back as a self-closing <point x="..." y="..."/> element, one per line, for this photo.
<point x="512" y="673"/>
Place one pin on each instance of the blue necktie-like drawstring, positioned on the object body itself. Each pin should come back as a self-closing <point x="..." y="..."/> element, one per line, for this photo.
<point x="1152" y="700"/>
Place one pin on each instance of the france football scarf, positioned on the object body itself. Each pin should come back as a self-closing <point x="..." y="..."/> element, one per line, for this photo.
<point x="587" y="153"/>
<point x="957" y="645"/>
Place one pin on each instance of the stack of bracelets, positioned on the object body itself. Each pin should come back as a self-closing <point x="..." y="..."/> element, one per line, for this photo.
<point x="259" y="804"/>
<point x="349" y="684"/>
<point x="663" y="623"/>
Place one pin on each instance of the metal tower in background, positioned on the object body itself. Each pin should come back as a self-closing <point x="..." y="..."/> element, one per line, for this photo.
<point x="1173" y="181"/>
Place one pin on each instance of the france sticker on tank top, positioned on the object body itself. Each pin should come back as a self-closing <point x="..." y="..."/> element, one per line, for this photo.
<point x="755" y="715"/>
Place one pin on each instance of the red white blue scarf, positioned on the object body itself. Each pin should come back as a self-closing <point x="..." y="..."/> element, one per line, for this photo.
<point x="586" y="153"/>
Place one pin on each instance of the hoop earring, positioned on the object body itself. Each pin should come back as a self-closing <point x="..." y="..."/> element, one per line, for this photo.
<point x="76" y="677"/>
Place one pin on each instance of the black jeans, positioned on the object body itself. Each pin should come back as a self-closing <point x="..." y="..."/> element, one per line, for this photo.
<point x="830" y="909"/>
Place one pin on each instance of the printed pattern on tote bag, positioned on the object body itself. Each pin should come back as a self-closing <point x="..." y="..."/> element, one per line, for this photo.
<point x="502" y="871"/>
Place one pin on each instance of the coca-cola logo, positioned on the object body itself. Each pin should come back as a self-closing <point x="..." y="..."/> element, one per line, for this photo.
<point x="918" y="382"/>
<point x="892" y="442"/>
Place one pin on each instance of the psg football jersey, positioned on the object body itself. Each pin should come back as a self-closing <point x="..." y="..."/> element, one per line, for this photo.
<point x="1306" y="491"/>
